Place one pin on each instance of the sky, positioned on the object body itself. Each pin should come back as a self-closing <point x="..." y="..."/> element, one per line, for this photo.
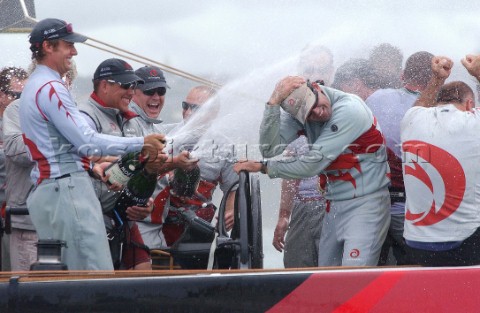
<point x="234" y="37"/>
<point x="251" y="44"/>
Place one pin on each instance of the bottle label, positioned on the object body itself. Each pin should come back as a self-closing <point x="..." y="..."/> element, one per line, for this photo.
<point x="118" y="174"/>
<point x="139" y="201"/>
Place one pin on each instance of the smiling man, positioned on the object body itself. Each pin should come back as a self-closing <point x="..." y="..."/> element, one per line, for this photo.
<point x="347" y="153"/>
<point x="147" y="102"/>
<point x="108" y="111"/>
<point x="63" y="205"/>
<point x="150" y="96"/>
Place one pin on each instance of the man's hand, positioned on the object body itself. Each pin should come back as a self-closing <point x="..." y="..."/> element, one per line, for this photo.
<point x="183" y="161"/>
<point x="249" y="166"/>
<point x="284" y="88"/>
<point x="153" y="148"/>
<point x="153" y="145"/>
<point x="229" y="219"/>
<point x="279" y="234"/>
<point x="99" y="172"/>
<point x="442" y="67"/>
<point x="472" y="64"/>
<point x="137" y="213"/>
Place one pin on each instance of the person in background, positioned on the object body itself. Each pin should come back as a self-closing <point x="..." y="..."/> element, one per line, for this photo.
<point x="389" y="107"/>
<point x="302" y="206"/>
<point x="356" y="76"/>
<point x="63" y="204"/>
<point x="316" y="63"/>
<point x="386" y="61"/>
<point x="440" y="142"/>
<point x="23" y="239"/>
<point x="12" y="81"/>
<point x="347" y="153"/>
<point x="215" y="170"/>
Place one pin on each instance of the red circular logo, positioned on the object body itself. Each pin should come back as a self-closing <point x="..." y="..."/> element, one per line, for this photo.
<point x="355" y="253"/>
<point x="452" y="177"/>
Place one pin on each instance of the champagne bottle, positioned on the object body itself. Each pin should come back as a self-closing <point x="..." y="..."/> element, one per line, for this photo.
<point x="137" y="191"/>
<point x="200" y="226"/>
<point x="185" y="183"/>
<point x="124" y="168"/>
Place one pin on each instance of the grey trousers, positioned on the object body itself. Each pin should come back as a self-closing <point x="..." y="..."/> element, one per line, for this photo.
<point x="303" y="235"/>
<point x="67" y="209"/>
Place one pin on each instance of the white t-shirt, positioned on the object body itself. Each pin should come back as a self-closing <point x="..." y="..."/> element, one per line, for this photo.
<point x="441" y="170"/>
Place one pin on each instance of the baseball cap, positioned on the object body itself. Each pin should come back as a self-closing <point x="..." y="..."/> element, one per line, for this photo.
<point x="52" y="28"/>
<point x="152" y="76"/>
<point x="300" y="102"/>
<point x="117" y="70"/>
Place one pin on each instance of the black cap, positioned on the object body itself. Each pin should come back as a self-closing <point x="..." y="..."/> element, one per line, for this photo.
<point x="117" y="70"/>
<point x="51" y="29"/>
<point x="153" y="77"/>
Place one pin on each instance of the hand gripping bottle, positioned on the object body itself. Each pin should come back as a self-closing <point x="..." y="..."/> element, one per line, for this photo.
<point x="124" y="168"/>
<point x="137" y="192"/>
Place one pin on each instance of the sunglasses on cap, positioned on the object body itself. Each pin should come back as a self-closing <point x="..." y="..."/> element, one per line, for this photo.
<point x="161" y="91"/>
<point x="191" y="106"/>
<point x="68" y="27"/>
<point x="125" y="86"/>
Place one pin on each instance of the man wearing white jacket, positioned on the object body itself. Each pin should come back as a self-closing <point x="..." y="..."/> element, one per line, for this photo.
<point x="441" y="153"/>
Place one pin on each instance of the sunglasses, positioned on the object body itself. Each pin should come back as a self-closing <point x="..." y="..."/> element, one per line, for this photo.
<point x="68" y="28"/>
<point x="125" y="86"/>
<point x="14" y="94"/>
<point x="193" y="107"/>
<point x="161" y="91"/>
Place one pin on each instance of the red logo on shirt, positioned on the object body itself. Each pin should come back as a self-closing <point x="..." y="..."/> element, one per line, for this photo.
<point x="452" y="177"/>
<point x="355" y="253"/>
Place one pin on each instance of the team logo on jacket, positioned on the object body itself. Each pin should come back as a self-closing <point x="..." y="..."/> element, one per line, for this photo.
<point x="436" y="171"/>
<point x="354" y="253"/>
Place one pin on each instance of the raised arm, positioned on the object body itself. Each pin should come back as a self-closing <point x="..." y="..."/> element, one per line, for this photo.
<point x="472" y="64"/>
<point x="441" y="68"/>
<point x="275" y="132"/>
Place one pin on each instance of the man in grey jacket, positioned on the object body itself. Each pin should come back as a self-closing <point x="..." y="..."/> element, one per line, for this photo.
<point x="347" y="153"/>
<point x="23" y="251"/>
<point x="12" y="80"/>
